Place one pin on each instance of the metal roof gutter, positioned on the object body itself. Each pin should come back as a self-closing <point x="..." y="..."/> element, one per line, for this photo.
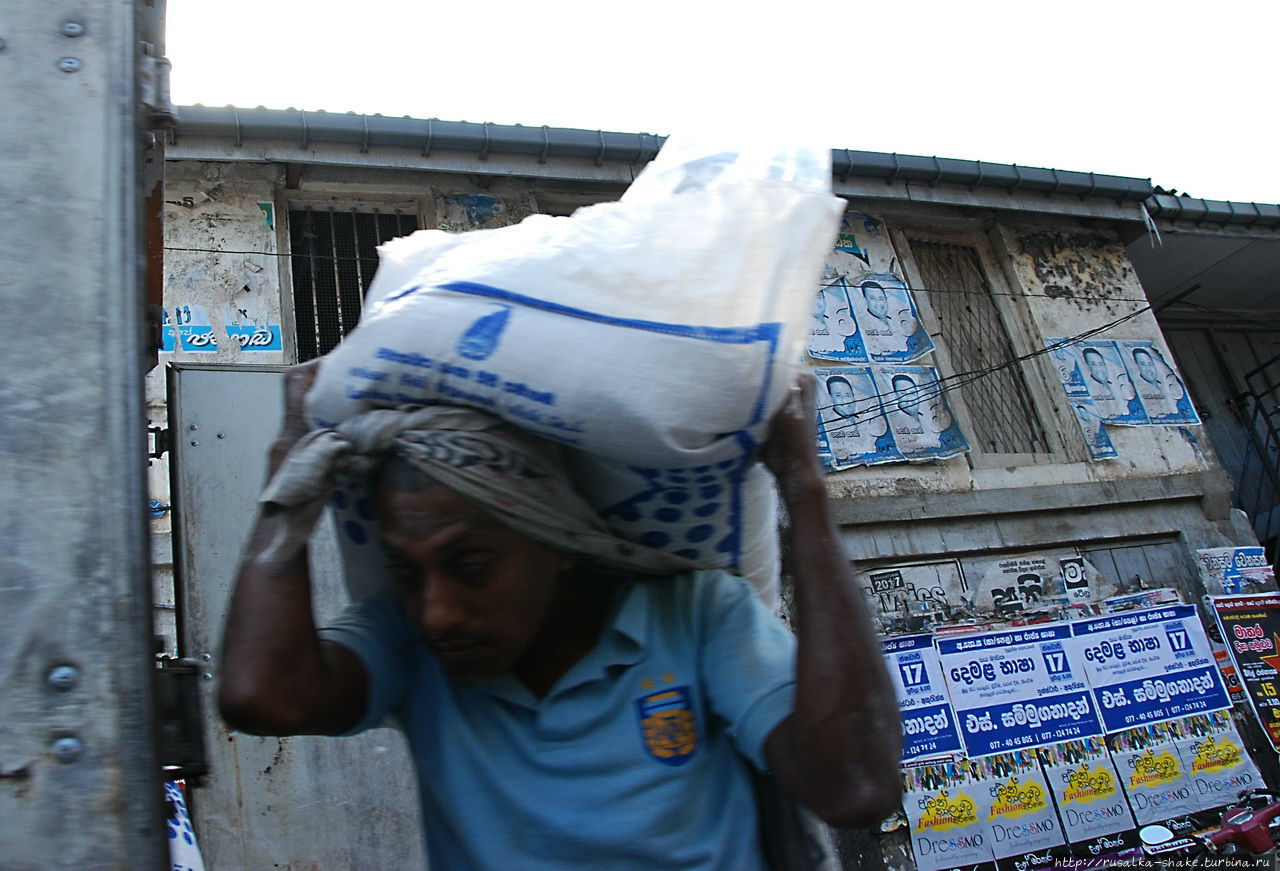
<point x="977" y="173"/>
<point x="1213" y="211"/>
<point x="414" y="136"/>
<point x="369" y="131"/>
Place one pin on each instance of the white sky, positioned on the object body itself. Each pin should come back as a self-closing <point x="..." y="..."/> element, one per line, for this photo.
<point x="1182" y="93"/>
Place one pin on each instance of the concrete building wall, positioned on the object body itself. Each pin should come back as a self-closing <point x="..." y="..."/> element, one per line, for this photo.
<point x="945" y="525"/>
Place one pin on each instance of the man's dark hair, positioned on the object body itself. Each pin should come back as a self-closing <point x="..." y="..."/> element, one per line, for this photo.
<point x="863" y="287"/>
<point x="834" y="378"/>
<point x="893" y="382"/>
<point x="1087" y="351"/>
<point x="1136" y="351"/>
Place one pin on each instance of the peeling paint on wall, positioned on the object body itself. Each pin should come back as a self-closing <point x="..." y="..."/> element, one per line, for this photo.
<point x="1076" y="265"/>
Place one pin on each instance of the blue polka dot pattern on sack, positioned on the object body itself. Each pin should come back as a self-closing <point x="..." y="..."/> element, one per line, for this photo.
<point x="692" y="512"/>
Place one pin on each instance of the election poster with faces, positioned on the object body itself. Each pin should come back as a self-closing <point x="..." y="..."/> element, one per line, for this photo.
<point x="869" y="415"/>
<point x="1088" y="417"/>
<point x="864" y="312"/>
<point x="947" y="805"/>
<point x="928" y="723"/>
<point x="1126" y="382"/>
<point x="1148" y="666"/>
<point x="1162" y="392"/>
<point x="1017" y="689"/>
<point x="919" y="418"/>
<point x="1091" y="803"/>
<point x="1022" y="820"/>
<point x="852" y="429"/>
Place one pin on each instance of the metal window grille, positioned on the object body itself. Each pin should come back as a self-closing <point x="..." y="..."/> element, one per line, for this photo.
<point x="1004" y="418"/>
<point x="334" y="256"/>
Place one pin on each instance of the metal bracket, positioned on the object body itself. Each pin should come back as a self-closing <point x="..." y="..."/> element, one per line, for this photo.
<point x="159" y="437"/>
<point x="153" y="89"/>
<point x="179" y="726"/>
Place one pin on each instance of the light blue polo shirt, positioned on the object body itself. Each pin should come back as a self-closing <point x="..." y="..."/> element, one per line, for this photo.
<point x="634" y="760"/>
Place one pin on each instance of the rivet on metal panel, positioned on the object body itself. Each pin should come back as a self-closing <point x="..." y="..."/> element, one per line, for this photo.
<point x="70" y="64"/>
<point x="194" y="427"/>
<point x="222" y="435"/>
<point x="63" y="677"/>
<point x="206" y="656"/>
<point x="207" y="676"/>
<point x="67" y="749"/>
<point x="194" y="443"/>
<point x="72" y="29"/>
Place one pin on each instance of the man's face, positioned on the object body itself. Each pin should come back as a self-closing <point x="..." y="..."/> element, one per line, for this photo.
<point x="908" y="396"/>
<point x="479" y="593"/>
<point x="836" y="310"/>
<point x="1097" y="367"/>
<point x="1146" y="367"/>
<point x="842" y="399"/>
<point x="877" y="302"/>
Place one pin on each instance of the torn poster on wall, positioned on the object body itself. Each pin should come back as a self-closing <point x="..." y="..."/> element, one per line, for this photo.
<point x="1125" y="382"/>
<point x="864" y="312"/>
<point x="869" y="415"/>
<point x="897" y="593"/>
<point x="190" y="328"/>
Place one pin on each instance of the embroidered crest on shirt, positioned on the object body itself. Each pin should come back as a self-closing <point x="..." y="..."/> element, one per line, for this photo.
<point x="668" y="726"/>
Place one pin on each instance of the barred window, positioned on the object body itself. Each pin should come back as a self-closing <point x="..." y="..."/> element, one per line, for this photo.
<point x="333" y="258"/>
<point x="1004" y="419"/>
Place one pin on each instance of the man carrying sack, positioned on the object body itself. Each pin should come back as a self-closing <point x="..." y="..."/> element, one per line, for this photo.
<point x="570" y="699"/>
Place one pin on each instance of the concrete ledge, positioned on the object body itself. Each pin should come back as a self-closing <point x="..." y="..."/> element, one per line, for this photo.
<point x="1209" y="486"/>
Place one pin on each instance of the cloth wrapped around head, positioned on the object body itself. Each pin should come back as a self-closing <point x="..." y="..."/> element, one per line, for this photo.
<point x="516" y="477"/>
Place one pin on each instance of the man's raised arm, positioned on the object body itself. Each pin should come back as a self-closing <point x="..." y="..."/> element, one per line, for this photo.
<point x="278" y="677"/>
<point x="838" y="752"/>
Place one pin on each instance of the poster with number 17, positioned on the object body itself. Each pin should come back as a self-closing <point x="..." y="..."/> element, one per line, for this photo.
<point x="1017" y="689"/>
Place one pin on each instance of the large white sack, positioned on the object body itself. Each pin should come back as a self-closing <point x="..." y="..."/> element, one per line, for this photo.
<point x="657" y="334"/>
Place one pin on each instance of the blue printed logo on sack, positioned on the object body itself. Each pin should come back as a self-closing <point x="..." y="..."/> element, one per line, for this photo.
<point x="481" y="338"/>
<point x="668" y="726"/>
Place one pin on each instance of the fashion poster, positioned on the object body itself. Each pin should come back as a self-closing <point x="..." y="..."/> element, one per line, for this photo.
<point x="1152" y="774"/>
<point x="1025" y="831"/>
<point x="947" y="808"/>
<point x="1214" y="757"/>
<point x="1162" y="392"/>
<point x="852" y="429"/>
<point x="919" y="418"/>
<point x="1091" y="803"/>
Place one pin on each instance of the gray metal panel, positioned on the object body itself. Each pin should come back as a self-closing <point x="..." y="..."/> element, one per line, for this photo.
<point x="75" y="588"/>
<point x="297" y="803"/>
